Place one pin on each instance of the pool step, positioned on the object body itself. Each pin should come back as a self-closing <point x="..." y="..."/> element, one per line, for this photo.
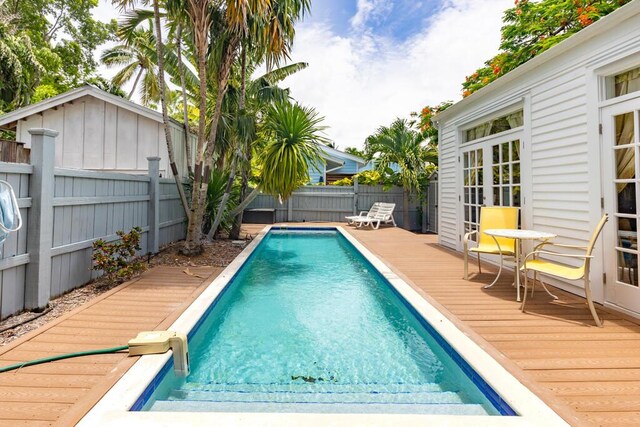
<point x="426" y="398"/>
<point x="340" y="408"/>
<point x="316" y="387"/>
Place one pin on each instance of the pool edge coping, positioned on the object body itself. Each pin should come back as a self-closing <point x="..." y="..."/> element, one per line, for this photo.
<point x="114" y="407"/>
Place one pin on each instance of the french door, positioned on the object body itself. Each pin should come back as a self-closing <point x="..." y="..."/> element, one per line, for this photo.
<point x="490" y="172"/>
<point x="621" y="164"/>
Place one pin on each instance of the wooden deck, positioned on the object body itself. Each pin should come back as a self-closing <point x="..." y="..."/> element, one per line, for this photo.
<point x="589" y="375"/>
<point x="61" y="393"/>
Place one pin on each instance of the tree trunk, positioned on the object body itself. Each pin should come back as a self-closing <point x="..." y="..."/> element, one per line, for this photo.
<point x="185" y="104"/>
<point x="241" y="107"/>
<point x="200" y="188"/>
<point x="405" y="210"/>
<point x="163" y="101"/>
<point x="198" y="13"/>
<point x="243" y="205"/>
<point x="237" y="220"/>
<point x="135" y="83"/>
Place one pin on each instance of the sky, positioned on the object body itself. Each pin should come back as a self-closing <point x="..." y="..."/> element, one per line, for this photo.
<point x="371" y="61"/>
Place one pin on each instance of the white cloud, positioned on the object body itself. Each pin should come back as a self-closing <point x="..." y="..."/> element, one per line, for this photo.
<point x="362" y="81"/>
<point x="369" y="9"/>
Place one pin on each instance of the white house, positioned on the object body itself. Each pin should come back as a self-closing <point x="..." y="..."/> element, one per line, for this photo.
<point x="559" y="137"/>
<point x="100" y="131"/>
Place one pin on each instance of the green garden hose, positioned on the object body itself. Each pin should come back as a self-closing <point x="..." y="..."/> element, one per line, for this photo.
<point x="63" y="356"/>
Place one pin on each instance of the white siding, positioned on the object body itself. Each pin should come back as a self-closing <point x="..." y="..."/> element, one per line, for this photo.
<point x="562" y="146"/>
<point x="448" y="190"/>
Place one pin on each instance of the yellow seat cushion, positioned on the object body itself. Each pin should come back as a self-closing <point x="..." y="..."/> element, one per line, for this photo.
<point x="491" y="249"/>
<point x="554" y="269"/>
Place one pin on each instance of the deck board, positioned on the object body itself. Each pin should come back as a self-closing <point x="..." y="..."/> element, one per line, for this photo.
<point x="60" y="393"/>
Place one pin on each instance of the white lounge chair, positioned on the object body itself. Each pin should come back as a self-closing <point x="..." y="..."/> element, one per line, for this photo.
<point x="364" y="215"/>
<point x="383" y="215"/>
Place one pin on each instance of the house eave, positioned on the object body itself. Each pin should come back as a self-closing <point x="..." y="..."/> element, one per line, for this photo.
<point x="30" y="110"/>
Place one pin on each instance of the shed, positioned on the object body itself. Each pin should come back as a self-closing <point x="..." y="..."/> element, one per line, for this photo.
<point x="100" y="131"/>
<point x="559" y="137"/>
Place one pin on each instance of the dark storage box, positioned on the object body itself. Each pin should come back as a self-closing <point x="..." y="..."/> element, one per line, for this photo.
<point x="259" y="216"/>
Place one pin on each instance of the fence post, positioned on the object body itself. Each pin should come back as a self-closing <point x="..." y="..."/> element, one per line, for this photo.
<point x="355" y="195"/>
<point x="290" y="208"/>
<point x="153" y="238"/>
<point x="40" y="222"/>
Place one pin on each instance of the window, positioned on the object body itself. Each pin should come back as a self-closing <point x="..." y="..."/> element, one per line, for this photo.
<point x="506" y="173"/>
<point x="626" y="82"/>
<point x="492" y="127"/>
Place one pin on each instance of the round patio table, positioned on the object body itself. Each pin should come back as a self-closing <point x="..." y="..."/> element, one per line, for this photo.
<point x="518" y="236"/>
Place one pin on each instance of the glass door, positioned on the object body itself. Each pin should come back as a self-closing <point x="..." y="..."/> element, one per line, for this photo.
<point x="490" y="177"/>
<point x="621" y="154"/>
<point x="473" y="193"/>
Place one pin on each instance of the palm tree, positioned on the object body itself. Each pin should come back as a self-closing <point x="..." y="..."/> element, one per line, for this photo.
<point x="401" y="145"/>
<point x="289" y="137"/>
<point x="252" y="101"/>
<point x="271" y="21"/>
<point x="134" y="56"/>
<point x="291" y="134"/>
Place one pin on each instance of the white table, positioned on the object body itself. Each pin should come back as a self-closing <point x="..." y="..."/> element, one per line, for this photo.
<point x="518" y="236"/>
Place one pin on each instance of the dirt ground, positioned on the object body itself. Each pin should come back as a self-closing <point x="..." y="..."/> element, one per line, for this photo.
<point x="218" y="253"/>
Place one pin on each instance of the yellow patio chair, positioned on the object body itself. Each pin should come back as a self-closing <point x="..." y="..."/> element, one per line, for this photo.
<point x="537" y="265"/>
<point x="491" y="218"/>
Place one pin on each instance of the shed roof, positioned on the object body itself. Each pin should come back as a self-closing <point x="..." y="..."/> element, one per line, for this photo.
<point x="8" y="120"/>
<point x="601" y="26"/>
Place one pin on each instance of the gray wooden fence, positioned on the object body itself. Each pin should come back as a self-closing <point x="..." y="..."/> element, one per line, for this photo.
<point x="64" y="211"/>
<point x="332" y="203"/>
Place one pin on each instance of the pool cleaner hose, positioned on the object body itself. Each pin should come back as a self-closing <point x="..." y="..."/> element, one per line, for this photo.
<point x="63" y="356"/>
<point x="149" y="342"/>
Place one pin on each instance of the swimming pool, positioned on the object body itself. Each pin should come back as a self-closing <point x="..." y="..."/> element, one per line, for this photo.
<point x="309" y="324"/>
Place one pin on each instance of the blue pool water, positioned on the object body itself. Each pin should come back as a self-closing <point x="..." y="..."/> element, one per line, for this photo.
<point x="308" y="325"/>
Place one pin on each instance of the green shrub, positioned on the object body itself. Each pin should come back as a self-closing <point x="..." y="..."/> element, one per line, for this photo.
<point x="115" y="259"/>
<point x="344" y="182"/>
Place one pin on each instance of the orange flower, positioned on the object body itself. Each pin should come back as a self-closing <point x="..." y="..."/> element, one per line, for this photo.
<point x="518" y="12"/>
<point x="466" y="93"/>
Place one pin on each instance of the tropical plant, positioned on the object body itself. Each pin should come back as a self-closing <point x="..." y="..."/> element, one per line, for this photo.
<point x="403" y="146"/>
<point x="115" y="259"/>
<point x="269" y="24"/>
<point x="425" y="121"/>
<point x="31" y="31"/>
<point x="20" y="70"/>
<point x="291" y="133"/>
<point x="252" y="101"/>
<point x="137" y="65"/>
<point x="344" y="182"/>
<point x="532" y="27"/>
<point x="356" y="152"/>
<point x="216" y="189"/>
